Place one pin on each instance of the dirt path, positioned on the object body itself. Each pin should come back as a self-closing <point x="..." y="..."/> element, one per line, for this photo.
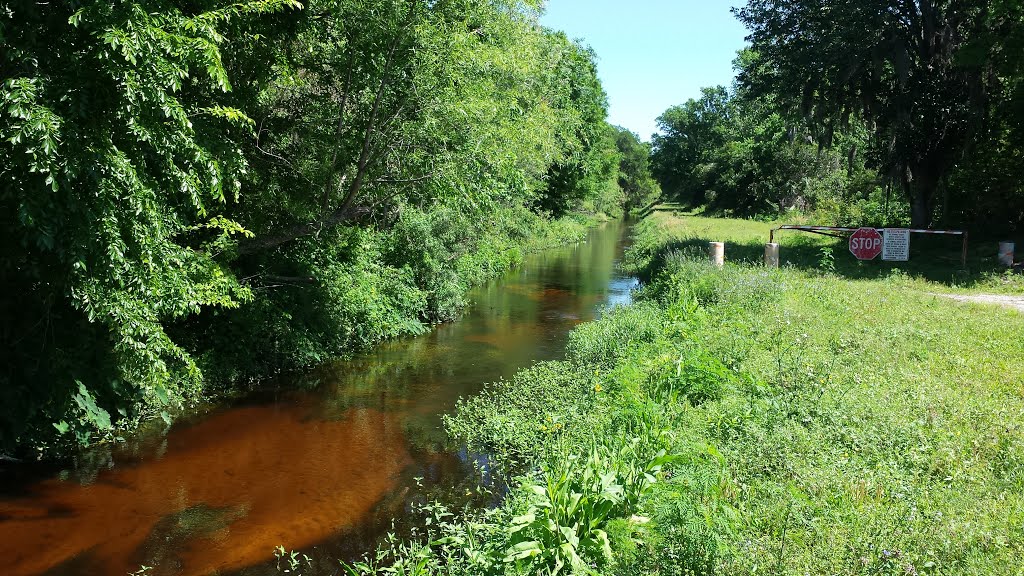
<point x="1016" y="302"/>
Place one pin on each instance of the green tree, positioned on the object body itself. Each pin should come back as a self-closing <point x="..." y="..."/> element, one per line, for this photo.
<point x="368" y="228"/>
<point x="119" y="158"/>
<point x="739" y="151"/>
<point x="588" y="156"/>
<point x="635" y="179"/>
<point x="366" y="163"/>
<point x="911" y="69"/>
<point x="688" y="136"/>
<point x="989" y="188"/>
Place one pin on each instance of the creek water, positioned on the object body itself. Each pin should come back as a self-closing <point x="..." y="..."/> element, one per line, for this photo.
<point x="324" y="462"/>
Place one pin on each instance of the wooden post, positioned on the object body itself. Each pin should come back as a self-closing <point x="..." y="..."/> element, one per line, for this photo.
<point x="771" y="255"/>
<point x="717" y="250"/>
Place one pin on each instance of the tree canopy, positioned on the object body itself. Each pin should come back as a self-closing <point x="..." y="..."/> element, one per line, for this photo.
<point x="210" y="191"/>
<point x="121" y="156"/>
<point x="869" y="112"/>
<point x="922" y="75"/>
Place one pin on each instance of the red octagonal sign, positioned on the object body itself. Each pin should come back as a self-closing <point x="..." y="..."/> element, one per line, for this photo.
<point x="866" y="243"/>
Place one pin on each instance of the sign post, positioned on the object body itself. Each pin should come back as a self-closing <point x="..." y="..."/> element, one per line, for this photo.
<point x="866" y="243"/>
<point x="896" y="244"/>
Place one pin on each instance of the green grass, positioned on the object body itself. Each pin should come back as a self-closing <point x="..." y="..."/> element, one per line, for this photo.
<point x="935" y="261"/>
<point x="743" y="421"/>
<point x="882" y="429"/>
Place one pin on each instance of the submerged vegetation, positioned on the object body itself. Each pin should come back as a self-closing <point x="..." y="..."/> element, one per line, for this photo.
<point x="198" y="194"/>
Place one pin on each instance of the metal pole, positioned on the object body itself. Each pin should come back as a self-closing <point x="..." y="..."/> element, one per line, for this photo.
<point x="1006" y="254"/>
<point x="963" y="255"/>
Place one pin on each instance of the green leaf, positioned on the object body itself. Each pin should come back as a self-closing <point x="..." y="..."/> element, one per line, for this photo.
<point x="93" y="414"/>
<point x="161" y="395"/>
<point x="523" y="550"/>
<point x="525" y="518"/>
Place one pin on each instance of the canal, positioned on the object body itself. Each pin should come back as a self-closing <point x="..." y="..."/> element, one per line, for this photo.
<point x="323" y="462"/>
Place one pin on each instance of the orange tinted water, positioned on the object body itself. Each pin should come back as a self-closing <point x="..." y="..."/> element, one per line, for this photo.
<point x="328" y="463"/>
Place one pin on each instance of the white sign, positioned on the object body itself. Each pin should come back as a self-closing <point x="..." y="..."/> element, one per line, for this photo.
<point x="896" y="244"/>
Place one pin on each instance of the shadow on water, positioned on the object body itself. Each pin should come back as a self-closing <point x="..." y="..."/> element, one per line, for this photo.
<point x="326" y="462"/>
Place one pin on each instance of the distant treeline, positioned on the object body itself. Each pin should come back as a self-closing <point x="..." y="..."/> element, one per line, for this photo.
<point x="199" y="193"/>
<point x="863" y="112"/>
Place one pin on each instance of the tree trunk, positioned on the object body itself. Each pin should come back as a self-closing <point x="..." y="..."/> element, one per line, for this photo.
<point x="920" y="211"/>
<point x="925" y="182"/>
<point x="348" y="210"/>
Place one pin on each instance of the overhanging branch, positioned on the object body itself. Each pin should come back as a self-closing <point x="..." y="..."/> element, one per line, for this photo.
<point x="262" y="243"/>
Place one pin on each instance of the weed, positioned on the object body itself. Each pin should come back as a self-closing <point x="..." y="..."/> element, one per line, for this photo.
<point x="827" y="260"/>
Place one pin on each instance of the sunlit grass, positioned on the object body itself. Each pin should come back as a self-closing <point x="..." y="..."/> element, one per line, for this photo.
<point x="886" y="435"/>
<point x="816" y="420"/>
<point x="934" y="265"/>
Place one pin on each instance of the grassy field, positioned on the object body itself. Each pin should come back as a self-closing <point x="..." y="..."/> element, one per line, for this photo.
<point x="880" y="431"/>
<point x="935" y="261"/>
<point x="825" y="418"/>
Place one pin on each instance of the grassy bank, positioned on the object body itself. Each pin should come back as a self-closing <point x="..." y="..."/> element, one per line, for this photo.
<point x="743" y="421"/>
<point x="879" y="431"/>
<point x="935" y="261"/>
<point x="371" y="286"/>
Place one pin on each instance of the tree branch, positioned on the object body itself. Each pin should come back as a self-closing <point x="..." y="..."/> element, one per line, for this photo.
<point x="261" y="243"/>
<point x="288" y="279"/>
<point x="404" y="180"/>
<point x="278" y="157"/>
<point x="364" y="154"/>
<point x="347" y="210"/>
<point x="329" y="178"/>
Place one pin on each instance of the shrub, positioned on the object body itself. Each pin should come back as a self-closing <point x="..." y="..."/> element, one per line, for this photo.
<point x="516" y="420"/>
<point x="685" y="277"/>
<point x="694" y="374"/>
<point x="604" y="342"/>
<point x="684" y="545"/>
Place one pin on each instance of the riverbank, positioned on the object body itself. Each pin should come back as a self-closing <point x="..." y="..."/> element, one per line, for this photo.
<point x="325" y="461"/>
<point x="400" y="282"/>
<point x="744" y="420"/>
<point x="359" y="288"/>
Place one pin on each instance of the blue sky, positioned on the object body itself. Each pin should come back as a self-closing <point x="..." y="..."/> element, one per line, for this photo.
<point x="652" y="54"/>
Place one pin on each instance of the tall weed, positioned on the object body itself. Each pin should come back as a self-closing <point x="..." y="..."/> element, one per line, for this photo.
<point x="620" y="330"/>
<point x="572" y="500"/>
<point x="519" y="420"/>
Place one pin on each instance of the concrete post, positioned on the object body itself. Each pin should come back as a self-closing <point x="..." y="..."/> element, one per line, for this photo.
<point x="1006" y="253"/>
<point x="717" y="250"/>
<point x="771" y="255"/>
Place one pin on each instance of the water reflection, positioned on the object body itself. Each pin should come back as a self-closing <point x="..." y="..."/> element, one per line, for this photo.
<point x="225" y="492"/>
<point x="326" y="466"/>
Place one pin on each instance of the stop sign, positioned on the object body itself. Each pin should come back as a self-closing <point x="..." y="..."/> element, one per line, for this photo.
<point x="866" y="243"/>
